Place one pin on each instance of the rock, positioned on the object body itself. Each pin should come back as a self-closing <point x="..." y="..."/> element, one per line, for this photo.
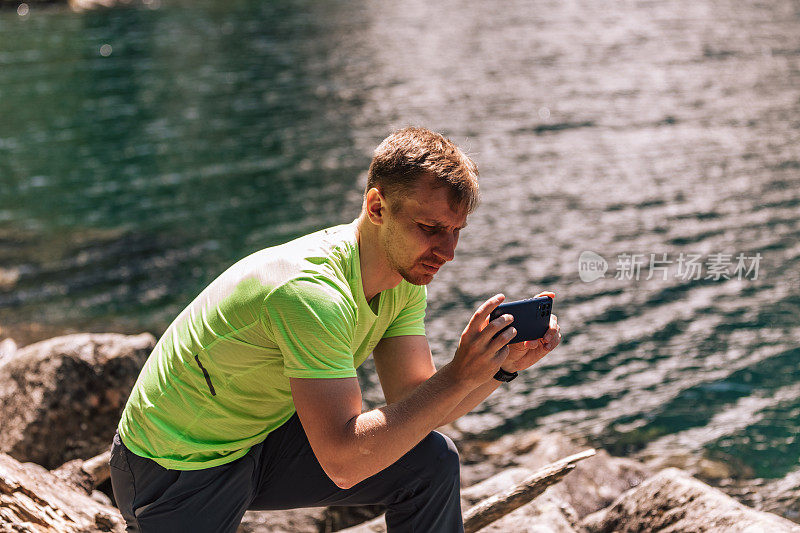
<point x="89" y="5"/>
<point x="710" y="470"/>
<point x="85" y="475"/>
<point x="594" y="483"/>
<point x="672" y="500"/>
<point x="545" y="514"/>
<point x="9" y="278"/>
<point x="488" y="505"/>
<point x="309" y="520"/>
<point x="32" y="499"/>
<point x="101" y="497"/>
<point x="481" y="460"/>
<point x="61" y="399"/>
<point x="779" y="496"/>
<point x="7" y="349"/>
<point x="489" y="487"/>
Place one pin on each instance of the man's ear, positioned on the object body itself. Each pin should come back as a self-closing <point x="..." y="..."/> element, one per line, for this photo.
<point x="375" y="206"/>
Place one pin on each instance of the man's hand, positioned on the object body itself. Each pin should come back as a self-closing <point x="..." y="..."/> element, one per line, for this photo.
<point x="521" y="355"/>
<point x="479" y="356"/>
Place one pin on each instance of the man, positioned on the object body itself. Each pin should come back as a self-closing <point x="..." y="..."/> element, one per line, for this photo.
<point x="250" y="399"/>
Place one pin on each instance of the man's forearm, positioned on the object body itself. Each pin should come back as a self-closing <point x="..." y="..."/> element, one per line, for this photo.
<point x="377" y="438"/>
<point x="471" y="401"/>
<point x="477" y="396"/>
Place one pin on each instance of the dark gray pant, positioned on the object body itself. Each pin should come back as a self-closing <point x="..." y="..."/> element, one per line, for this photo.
<point x="421" y="490"/>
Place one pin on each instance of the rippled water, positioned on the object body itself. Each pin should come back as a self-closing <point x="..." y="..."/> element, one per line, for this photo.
<point x="133" y="174"/>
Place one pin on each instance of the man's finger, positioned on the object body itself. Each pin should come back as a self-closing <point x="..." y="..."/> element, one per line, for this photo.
<point x="546" y="293"/>
<point x="502" y="340"/>
<point x="483" y="312"/>
<point x="501" y="355"/>
<point x="554" y="342"/>
<point x="552" y="331"/>
<point x="531" y="358"/>
<point x="497" y="324"/>
<point x="519" y="346"/>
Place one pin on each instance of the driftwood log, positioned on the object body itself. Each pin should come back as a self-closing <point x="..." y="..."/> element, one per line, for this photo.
<point x="88" y="474"/>
<point x="496" y="507"/>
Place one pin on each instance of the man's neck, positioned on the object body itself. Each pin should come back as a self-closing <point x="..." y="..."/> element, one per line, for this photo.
<point x="376" y="274"/>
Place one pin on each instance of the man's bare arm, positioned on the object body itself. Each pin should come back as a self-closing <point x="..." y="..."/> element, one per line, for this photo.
<point x="521" y="355"/>
<point x="472" y="400"/>
<point x="404" y="363"/>
<point x="351" y="445"/>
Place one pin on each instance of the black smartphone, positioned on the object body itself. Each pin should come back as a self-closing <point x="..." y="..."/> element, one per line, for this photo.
<point x="531" y="317"/>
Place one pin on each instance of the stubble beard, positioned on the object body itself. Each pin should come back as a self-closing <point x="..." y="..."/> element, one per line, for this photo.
<point x="390" y="247"/>
<point x="415" y="279"/>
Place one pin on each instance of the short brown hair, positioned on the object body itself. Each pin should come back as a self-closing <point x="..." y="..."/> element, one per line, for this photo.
<point x="410" y="153"/>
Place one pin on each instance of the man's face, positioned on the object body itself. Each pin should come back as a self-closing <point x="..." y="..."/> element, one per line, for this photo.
<point x="421" y="233"/>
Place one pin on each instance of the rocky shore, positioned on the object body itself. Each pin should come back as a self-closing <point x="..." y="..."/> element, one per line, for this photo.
<point x="60" y="400"/>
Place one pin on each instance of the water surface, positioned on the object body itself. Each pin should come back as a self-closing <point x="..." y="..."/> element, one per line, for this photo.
<point x="142" y="151"/>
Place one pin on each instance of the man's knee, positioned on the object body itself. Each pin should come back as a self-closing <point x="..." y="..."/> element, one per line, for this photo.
<point x="437" y="453"/>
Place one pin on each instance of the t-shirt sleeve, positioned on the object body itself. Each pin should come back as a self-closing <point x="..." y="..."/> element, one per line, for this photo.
<point x="411" y="319"/>
<point x="312" y="323"/>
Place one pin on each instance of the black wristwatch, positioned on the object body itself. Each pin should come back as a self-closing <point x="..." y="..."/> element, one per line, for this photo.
<point x="502" y="375"/>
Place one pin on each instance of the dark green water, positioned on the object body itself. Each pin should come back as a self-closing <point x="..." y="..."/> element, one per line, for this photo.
<point x="131" y="176"/>
<point x="129" y="181"/>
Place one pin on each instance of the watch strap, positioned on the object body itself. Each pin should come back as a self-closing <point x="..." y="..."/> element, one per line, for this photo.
<point x="504" y="376"/>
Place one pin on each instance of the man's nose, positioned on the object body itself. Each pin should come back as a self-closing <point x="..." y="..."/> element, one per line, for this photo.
<point x="446" y="247"/>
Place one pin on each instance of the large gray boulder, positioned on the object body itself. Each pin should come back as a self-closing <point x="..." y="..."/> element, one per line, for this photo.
<point x="673" y="501"/>
<point x="34" y="500"/>
<point x="61" y="399"/>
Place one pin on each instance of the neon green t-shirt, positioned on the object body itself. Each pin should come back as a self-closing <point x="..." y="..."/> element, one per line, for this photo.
<point x="217" y="382"/>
